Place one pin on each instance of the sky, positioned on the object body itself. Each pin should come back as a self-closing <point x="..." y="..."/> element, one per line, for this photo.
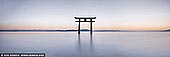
<point x="111" y="14"/>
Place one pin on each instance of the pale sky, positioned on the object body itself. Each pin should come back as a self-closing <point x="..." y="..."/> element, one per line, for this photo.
<point x="59" y="14"/>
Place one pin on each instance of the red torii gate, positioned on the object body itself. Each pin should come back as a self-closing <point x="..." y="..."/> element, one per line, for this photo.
<point x="85" y="20"/>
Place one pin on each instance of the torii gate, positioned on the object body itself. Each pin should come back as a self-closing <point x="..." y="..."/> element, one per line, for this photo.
<point x="85" y="20"/>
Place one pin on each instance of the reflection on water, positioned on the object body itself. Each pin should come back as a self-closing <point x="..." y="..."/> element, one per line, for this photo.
<point x="79" y="44"/>
<point x="90" y="49"/>
<point x="115" y="44"/>
<point x="91" y="44"/>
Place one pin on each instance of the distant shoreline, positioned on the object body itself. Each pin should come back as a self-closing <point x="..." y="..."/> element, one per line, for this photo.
<point x="84" y="30"/>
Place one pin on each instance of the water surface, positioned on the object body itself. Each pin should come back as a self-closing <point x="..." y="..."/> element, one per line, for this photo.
<point x="108" y="44"/>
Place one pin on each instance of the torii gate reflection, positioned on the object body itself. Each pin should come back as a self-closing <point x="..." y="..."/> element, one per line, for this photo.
<point x="85" y="20"/>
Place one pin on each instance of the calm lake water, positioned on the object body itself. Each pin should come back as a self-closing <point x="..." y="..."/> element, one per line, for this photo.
<point x="106" y="44"/>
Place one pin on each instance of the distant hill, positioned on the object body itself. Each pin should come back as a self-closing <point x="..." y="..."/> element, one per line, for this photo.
<point x="85" y="30"/>
<point x="167" y="30"/>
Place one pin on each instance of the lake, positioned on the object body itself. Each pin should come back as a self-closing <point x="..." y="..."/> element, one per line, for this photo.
<point x="100" y="44"/>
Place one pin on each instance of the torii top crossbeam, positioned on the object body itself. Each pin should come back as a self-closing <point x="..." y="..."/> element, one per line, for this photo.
<point x="85" y="17"/>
